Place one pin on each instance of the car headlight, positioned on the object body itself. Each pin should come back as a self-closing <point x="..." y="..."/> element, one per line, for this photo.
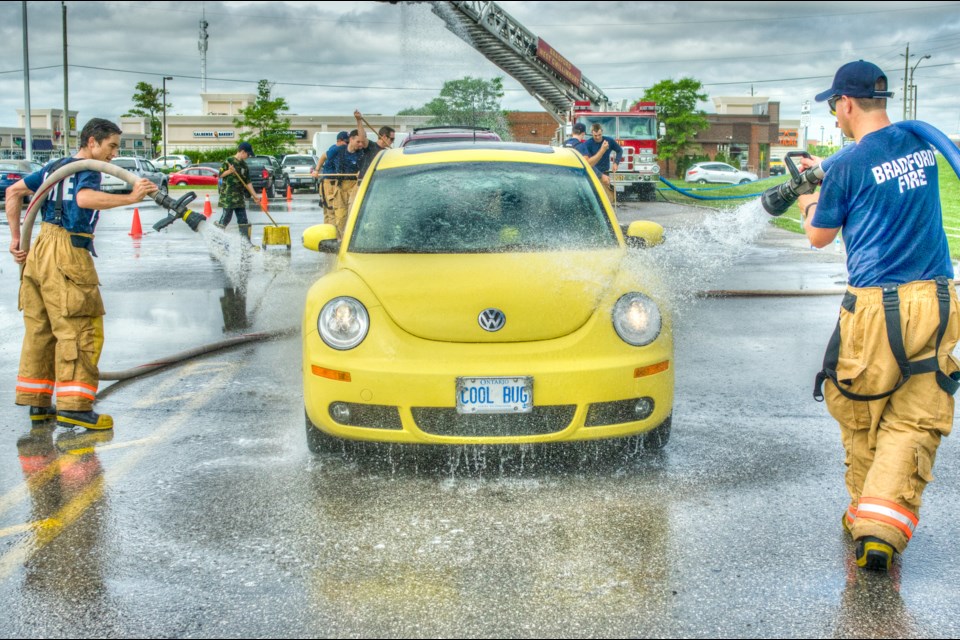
<point x="343" y="323"/>
<point x="636" y="319"/>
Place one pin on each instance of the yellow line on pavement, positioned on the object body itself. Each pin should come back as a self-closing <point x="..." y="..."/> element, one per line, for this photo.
<point x="43" y="534"/>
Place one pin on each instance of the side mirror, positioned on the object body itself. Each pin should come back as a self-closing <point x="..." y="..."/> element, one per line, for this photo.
<point x="321" y="238"/>
<point x="643" y="233"/>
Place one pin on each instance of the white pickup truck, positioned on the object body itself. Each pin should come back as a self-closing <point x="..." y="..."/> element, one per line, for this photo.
<point x="298" y="169"/>
<point x="137" y="166"/>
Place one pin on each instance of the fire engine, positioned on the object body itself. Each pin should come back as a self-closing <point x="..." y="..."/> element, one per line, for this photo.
<point x="636" y="131"/>
<point x="560" y="88"/>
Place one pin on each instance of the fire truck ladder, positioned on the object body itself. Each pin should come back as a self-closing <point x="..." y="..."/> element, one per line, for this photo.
<point x="506" y="43"/>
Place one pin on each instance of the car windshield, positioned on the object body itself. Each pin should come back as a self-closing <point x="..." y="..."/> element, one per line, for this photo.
<point x="637" y="128"/>
<point x="299" y="161"/>
<point x="481" y="207"/>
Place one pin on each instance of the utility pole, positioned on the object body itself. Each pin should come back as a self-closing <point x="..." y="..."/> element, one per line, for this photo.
<point x="28" y="133"/>
<point x="906" y="75"/>
<point x="165" y="78"/>
<point x="65" y="124"/>
<point x="202" y="45"/>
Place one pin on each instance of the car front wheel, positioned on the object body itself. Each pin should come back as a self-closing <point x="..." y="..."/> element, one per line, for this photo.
<point x="701" y="181"/>
<point x="745" y="181"/>
<point x="320" y="442"/>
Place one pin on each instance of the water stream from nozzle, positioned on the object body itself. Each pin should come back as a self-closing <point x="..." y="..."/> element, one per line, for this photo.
<point x="696" y="256"/>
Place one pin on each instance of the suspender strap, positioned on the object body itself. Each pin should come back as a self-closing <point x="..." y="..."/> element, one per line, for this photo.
<point x="891" y="312"/>
<point x="58" y="206"/>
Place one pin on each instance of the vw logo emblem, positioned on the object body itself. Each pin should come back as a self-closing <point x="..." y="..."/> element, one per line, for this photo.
<point x="492" y="319"/>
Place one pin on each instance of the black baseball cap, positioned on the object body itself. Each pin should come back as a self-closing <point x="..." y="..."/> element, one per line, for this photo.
<point x="579" y="127"/>
<point x="245" y="146"/>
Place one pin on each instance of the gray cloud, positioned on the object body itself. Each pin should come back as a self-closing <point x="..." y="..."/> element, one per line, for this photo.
<point x="334" y="57"/>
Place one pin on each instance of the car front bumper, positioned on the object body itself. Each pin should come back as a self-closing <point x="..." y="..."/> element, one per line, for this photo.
<point x="403" y="389"/>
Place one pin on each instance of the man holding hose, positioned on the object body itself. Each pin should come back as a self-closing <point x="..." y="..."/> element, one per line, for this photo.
<point x="889" y="373"/>
<point x="59" y="286"/>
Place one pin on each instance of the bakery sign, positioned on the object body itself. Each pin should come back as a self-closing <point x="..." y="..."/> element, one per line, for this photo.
<point x="213" y="134"/>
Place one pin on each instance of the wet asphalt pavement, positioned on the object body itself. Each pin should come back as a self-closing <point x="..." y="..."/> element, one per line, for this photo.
<point x="204" y="515"/>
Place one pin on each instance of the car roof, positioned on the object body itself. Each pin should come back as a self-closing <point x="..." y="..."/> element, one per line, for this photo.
<point x="485" y="151"/>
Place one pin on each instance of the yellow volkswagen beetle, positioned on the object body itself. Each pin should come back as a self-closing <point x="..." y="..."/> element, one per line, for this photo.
<point x="479" y="296"/>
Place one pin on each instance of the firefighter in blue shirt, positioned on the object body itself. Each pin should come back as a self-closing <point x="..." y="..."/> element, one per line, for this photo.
<point x="59" y="287"/>
<point x="888" y="370"/>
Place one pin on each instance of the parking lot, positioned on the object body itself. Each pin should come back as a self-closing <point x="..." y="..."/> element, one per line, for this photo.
<point x="204" y="515"/>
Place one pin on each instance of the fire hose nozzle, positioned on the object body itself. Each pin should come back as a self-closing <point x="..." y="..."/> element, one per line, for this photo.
<point x="177" y="209"/>
<point x="776" y="200"/>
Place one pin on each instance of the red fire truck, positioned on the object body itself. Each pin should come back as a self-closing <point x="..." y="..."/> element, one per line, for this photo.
<point x="636" y="131"/>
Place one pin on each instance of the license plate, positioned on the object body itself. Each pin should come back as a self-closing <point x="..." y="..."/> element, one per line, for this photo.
<point x="495" y="395"/>
<point x="626" y="177"/>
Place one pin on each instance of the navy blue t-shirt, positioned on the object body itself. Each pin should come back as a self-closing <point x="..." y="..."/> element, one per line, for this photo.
<point x="339" y="160"/>
<point x="590" y="147"/>
<point x="885" y="194"/>
<point x="73" y="217"/>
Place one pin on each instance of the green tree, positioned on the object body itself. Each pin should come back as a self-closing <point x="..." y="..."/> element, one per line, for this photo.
<point x="148" y="103"/>
<point x="677" y="109"/>
<point x="471" y="102"/>
<point x="262" y="123"/>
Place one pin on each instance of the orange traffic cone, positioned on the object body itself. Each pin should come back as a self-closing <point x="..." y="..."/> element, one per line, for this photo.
<point x="289" y="193"/>
<point x="207" y="207"/>
<point x="136" y="230"/>
<point x="264" y="203"/>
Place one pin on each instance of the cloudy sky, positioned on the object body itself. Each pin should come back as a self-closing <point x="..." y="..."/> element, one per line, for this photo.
<point x="333" y="57"/>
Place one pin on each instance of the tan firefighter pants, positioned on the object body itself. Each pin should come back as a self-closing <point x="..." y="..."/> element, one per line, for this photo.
<point x="63" y="322"/>
<point x="891" y="443"/>
<point x="338" y="194"/>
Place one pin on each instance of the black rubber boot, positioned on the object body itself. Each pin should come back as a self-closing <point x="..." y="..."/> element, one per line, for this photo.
<point x="873" y="553"/>
<point x="40" y="414"/>
<point x="86" y="419"/>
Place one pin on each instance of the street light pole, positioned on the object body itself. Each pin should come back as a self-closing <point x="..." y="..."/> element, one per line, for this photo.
<point x="913" y="89"/>
<point x="165" y="78"/>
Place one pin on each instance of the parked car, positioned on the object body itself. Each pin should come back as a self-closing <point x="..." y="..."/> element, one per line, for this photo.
<point x="265" y="173"/>
<point x="430" y="135"/>
<point x="172" y="162"/>
<point x="138" y="166"/>
<point x="13" y="170"/>
<point x="704" y="172"/>
<point x="298" y="169"/>
<point x="777" y="167"/>
<point x="394" y="353"/>
<point x="195" y="176"/>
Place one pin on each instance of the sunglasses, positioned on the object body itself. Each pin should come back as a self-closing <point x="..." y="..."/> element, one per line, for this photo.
<point x="832" y="103"/>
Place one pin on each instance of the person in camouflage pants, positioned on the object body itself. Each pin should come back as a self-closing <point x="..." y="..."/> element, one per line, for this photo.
<point x="234" y="186"/>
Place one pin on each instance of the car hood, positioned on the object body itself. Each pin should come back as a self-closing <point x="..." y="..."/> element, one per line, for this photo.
<point x="441" y="297"/>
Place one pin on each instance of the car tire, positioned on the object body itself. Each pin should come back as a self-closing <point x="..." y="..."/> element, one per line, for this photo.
<point x="658" y="437"/>
<point x="320" y="442"/>
<point x="182" y="183"/>
<point x="271" y="191"/>
<point x="164" y="187"/>
<point x="701" y="181"/>
<point x="745" y="181"/>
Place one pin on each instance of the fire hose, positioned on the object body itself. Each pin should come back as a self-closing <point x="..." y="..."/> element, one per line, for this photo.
<point x="177" y="208"/>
